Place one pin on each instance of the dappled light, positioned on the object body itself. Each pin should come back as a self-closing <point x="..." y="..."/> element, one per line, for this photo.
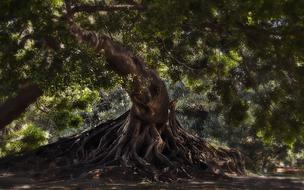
<point x="132" y="94"/>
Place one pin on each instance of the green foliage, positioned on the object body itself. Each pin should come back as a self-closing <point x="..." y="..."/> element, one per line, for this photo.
<point x="262" y="151"/>
<point x="59" y="114"/>
<point x="244" y="58"/>
<point x="64" y="119"/>
<point x="66" y="107"/>
<point x="29" y="137"/>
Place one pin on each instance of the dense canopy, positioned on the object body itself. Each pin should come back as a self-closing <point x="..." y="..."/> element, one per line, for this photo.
<point x="247" y="56"/>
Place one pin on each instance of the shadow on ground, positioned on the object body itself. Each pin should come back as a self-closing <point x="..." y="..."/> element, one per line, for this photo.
<point x="269" y="182"/>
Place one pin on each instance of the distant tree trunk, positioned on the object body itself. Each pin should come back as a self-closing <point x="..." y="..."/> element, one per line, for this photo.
<point x="12" y="108"/>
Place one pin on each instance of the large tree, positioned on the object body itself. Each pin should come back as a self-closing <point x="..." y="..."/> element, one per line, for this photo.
<point x="148" y="136"/>
<point x="246" y="55"/>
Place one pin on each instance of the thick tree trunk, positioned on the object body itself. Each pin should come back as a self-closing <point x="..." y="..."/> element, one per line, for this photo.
<point x="15" y="106"/>
<point x="149" y="135"/>
<point x="146" y="90"/>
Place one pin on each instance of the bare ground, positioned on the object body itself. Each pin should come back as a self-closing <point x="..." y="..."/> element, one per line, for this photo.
<point x="97" y="181"/>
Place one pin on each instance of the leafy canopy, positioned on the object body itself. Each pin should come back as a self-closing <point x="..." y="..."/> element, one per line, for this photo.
<point x="244" y="56"/>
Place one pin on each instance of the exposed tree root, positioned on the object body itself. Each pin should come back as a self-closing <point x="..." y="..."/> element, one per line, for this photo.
<point x="158" y="152"/>
<point x="148" y="138"/>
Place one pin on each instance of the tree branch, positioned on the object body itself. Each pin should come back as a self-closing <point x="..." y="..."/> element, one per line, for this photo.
<point x="15" y="106"/>
<point x="96" y="8"/>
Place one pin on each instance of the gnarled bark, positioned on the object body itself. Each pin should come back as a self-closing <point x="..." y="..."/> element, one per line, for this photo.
<point x="148" y="136"/>
<point x="146" y="90"/>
